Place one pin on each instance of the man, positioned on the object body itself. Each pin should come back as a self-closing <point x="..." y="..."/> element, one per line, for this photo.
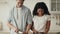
<point x="20" y="18"/>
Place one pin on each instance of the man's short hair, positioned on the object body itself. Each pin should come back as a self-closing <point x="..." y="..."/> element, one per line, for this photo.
<point x="16" y="0"/>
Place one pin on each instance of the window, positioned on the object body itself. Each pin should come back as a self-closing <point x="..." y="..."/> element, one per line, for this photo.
<point x="55" y="5"/>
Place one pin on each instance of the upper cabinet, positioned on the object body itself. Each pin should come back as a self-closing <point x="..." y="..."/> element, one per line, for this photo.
<point x="55" y="6"/>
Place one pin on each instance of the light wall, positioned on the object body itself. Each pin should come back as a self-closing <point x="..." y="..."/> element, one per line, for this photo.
<point x="5" y="8"/>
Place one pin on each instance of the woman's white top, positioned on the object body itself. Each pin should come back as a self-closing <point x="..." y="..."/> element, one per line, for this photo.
<point x="40" y="22"/>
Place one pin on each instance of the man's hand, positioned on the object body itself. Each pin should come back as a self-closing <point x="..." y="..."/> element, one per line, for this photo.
<point x="45" y="32"/>
<point x="37" y="33"/>
<point x="25" y="32"/>
<point x="27" y="29"/>
<point x="16" y="30"/>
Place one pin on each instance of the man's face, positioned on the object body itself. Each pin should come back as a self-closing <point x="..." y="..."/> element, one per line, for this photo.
<point x="19" y="2"/>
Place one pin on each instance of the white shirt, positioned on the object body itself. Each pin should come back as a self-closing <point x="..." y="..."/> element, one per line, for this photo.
<point x="19" y="17"/>
<point x="40" y="22"/>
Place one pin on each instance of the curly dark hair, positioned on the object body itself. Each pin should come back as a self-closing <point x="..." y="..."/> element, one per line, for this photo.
<point x="41" y="5"/>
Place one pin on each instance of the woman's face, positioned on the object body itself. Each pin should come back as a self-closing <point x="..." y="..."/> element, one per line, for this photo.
<point x="40" y="11"/>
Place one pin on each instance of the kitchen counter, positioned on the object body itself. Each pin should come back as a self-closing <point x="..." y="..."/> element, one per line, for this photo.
<point x="4" y="32"/>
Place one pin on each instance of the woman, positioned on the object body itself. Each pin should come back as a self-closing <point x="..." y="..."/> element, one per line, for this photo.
<point x="41" y="19"/>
